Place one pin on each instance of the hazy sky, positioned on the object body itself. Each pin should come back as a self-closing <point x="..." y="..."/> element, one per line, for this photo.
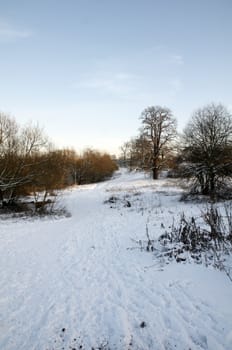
<point x="85" y="69"/>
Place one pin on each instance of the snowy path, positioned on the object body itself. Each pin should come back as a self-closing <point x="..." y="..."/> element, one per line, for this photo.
<point x="71" y="282"/>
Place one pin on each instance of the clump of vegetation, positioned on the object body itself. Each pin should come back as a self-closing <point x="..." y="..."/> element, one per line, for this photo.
<point x="208" y="243"/>
<point x="31" y="169"/>
<point x="113" y="200"/>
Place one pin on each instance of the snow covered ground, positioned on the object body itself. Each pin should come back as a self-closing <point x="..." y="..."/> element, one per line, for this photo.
<point x="81" y="282"/>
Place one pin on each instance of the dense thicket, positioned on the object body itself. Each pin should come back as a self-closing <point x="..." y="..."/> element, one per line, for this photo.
<point x="30" y="165"/>
<point x="90" y="166"/>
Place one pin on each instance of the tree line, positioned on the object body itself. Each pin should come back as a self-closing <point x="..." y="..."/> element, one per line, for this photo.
<point x="30" y="164"/>
<point x="201" y="154"/>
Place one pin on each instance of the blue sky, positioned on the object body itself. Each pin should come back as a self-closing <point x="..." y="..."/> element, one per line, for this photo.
<point x="86" y="69"/>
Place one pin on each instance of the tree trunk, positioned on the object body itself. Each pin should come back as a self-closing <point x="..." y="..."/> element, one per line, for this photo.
<point x="212" y="184"/>
<point x="1" y="199"/>
<point x="155" y="167"/>
<point x="155" y="173"/>
<point x="205" y="189"/>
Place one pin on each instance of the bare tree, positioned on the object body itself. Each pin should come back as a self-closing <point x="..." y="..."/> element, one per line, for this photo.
<point x="16" y="148"/>
<point x="139" y="153"/>
<point x="159" y="129"/>
<point x="208" y="148"/>
<point x="8" y="149"/>
<point x="125" y="148"/>
<point x="8" y="134"/>
<point x="32" y="140"/>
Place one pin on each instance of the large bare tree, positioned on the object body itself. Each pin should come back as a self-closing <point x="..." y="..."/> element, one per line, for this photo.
<point x="208" y="148"/>
<point x="159" y="129"/>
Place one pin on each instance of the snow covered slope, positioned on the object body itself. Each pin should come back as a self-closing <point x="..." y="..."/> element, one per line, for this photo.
<point x="81" y="282"/>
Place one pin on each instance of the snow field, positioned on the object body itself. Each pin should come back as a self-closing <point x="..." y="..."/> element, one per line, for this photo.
<point x="82" y="281"/>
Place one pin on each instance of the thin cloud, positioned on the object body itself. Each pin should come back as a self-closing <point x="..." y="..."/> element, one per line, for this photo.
<point x="177" y="59"/>
<point x="9" y="32"/>
<point x="112" y="83"/>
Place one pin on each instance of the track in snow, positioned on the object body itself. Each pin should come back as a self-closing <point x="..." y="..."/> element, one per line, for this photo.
<point x="73" y="282"/>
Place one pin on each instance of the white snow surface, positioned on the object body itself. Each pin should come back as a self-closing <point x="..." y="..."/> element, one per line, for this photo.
<point x="81" y="282"/>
